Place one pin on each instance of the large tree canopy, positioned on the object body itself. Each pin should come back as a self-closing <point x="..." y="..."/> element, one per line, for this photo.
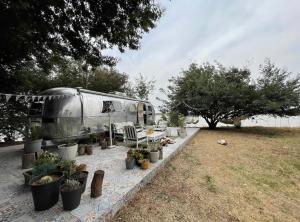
<point x="40" y="30"/>
<point x="218" y="94"/>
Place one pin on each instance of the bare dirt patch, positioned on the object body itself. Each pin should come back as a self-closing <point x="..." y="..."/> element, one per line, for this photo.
<point x="256" y="177"/>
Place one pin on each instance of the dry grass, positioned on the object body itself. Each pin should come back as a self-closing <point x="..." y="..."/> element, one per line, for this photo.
<point x="256" y="177"/>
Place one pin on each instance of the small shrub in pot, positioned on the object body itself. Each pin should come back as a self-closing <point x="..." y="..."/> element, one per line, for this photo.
<point x="154" y="153"/>
<point x="71" y="194"/>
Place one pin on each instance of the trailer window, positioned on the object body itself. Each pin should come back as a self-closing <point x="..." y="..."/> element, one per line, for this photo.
<point x="111" y="106"/>
<point x="149" y="110"/>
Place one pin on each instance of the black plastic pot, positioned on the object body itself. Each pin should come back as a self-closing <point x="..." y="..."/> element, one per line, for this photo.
<point x="82" y="178"/>
<point x="71" y="199"/>
<point x="45" y="195"/>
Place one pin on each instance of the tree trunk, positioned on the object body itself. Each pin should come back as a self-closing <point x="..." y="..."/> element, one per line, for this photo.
<point x="212" y="125"/>
<point x="96" y="187"/>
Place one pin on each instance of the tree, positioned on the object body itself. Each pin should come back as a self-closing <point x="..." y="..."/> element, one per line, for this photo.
<point x="141" y="89"/>
<point x="280" y="94"/>
<point x="40" y="30"/>
<point x="213" y="92"/>
<point x="219" y="94"/>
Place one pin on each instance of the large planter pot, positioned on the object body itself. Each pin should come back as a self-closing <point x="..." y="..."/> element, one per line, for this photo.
<point x="82" y="178"/>
<point x="129" y="163"/>
<point x="154" y="156"/>
<point x="33" y="146"/>
<point x="68" y="152"/>
<point x="71" y="199"/>
<point x="45" y="195"/>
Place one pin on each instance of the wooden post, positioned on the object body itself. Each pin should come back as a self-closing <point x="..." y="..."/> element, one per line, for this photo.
<point x="96" y="186"/>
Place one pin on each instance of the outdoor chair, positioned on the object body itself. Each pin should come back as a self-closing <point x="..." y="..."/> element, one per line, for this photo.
<point x="131" y="134"/>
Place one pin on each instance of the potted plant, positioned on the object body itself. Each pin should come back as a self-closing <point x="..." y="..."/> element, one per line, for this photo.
<point x="130" y="153"/>
<point x="182" y="130"/>
<point x="34" y="140"/>
<point x="154" y="153"/>
<point x="45" y="190"/>
<point x="46" y="163"/>
<point x="68" y="167"/>
<point x="145" y="164"/>
<point x="71" y="194"/>
<point x="68" y="151"/>
<point x="139" y="157"/>
<point x="129" y="161"/>
<point x="81" y="176"/>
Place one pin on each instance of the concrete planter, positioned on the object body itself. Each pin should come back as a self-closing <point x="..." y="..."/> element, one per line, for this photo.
<point x="68" y="152"/>
<point x="33" y="146"/>
<point x="154" y="156"/>
<point x="129" y="163"/>
<point x="172" y="131"/>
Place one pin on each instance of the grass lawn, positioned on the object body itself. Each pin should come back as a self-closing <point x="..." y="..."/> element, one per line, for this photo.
<point x="256" y="177"/>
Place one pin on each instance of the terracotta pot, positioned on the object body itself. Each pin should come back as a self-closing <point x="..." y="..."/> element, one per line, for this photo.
<point x="89" y="149"/>
<point x="81" y="167"/>
<point x="81" y="149"/>
<point x="145" y="164"/>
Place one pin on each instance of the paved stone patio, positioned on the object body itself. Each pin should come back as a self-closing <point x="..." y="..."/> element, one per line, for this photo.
<point x="119" y="185"/>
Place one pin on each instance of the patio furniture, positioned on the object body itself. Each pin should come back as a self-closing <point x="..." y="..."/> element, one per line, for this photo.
<point x="131" y="134"/>
<point x="156" y="135"/>
<point x="118" y="129"/>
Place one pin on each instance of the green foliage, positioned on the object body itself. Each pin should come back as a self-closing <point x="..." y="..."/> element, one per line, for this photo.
<point x="46" y="163"/>
<point x="181" y="120"/>
<point x="141" y="89"/>
<point x="154" y="147"/>
<point x="280" y="94"/>
<point x="35" y="133"/>
<point x="68" y="167"/>
<point x="173" y="120"/>
<point x="45" y="30"/>
<point x="70" y="185"/>
<point x="218" y="94"/>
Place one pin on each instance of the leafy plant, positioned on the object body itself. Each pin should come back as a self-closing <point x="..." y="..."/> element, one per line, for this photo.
<point x="70" y="185"/>
<point x="154" y="147"/>
<point x="181" y="120"/>
<point x="68" y="167"/>
<point x="35" y="133"/>
<point x="46" y="163"/>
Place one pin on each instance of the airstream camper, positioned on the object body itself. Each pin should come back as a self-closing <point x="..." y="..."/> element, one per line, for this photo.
<point x="76" y="112"/>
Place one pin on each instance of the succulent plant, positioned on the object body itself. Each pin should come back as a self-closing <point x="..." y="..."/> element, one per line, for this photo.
<point x="70" y="185"/>
<point x="45" y="180"/>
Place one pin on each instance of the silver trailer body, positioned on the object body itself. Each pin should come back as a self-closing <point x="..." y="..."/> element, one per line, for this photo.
<point x="79" y="112"/>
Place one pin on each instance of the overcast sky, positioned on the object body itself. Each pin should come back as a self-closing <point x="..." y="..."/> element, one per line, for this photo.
<point x="233" y="32"/>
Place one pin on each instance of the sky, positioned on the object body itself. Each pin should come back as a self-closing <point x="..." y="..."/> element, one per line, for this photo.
<point x="232" y="32"/>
